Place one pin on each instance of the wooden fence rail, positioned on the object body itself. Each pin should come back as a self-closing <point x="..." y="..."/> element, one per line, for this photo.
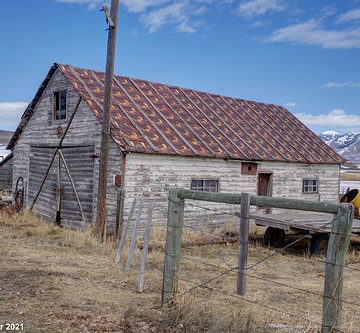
<point x="335" y="260"/>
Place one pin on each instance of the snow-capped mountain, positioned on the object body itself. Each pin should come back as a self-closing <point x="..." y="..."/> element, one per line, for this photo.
<point x="3" y="152"/>
<point x="4" y="139"/>
<point x="346" y="145"/>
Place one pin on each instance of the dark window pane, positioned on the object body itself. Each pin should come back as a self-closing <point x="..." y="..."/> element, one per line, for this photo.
<point x="56" y="101"/>
<point x="62" y="114"/>
<point x="63" y="101"/>
<point x="60" y="105"/>
<point x="310" y="185"/>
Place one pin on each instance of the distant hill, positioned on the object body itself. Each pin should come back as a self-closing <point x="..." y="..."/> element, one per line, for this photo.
<point x="5" y="137"/>
<point x="347" y="145"/>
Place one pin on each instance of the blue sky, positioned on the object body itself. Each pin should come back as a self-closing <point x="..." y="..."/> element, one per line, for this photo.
<point x="297" y="53"/>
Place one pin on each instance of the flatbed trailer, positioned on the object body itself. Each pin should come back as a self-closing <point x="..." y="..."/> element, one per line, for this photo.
<point x="318" y="225"/>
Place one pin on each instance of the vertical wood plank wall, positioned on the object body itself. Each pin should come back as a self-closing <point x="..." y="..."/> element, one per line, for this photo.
<point x="85" y="130"/>
<point x="6" y="175"/>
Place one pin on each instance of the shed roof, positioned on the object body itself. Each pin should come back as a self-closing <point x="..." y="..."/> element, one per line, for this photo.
<point x="157" y="118"/>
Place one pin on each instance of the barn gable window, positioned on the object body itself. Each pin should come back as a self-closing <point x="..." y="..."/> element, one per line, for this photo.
<point x="207" y="185"/>
<point x="60" y="105"/>
<point x="248" y="168"/>
<point x="310" y="186"/>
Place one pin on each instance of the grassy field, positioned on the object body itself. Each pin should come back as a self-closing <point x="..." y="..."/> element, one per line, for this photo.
<point x="58" y="280"/>
<point x="350" y="176"/>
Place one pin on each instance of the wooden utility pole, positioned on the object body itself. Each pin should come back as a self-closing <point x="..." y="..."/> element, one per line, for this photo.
<point x="112" y="19"/>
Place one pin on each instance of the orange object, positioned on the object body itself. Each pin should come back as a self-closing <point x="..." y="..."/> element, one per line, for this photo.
<point x="352" y="197"/>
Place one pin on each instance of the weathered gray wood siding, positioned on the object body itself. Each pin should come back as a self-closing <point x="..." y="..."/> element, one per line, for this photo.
<point x="85" y="130"/>
<point x="155" y="174"/>
<point x="6" y="175"/>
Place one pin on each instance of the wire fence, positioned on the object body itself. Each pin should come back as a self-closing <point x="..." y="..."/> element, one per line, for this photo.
<point x="212" y="278"/>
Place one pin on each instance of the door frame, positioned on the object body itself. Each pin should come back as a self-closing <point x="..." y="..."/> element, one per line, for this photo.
<point x="269" y="188"/>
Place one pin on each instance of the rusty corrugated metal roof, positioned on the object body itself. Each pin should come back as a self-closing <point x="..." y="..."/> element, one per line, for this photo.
<point x="157" y="118"/>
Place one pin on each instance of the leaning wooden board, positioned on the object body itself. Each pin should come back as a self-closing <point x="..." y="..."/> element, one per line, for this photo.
<point x="298" y="222"/>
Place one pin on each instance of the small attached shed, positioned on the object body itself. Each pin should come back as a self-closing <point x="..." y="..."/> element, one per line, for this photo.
<point x="161" y="136"/>
<point x="6" y="172"/>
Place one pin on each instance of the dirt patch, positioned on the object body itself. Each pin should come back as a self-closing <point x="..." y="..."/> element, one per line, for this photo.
<point x="58" y="280"/>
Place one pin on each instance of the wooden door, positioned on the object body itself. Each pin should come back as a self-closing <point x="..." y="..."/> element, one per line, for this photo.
<point x="80" y="163"/>
<point x="40" y="158"/>
<point x="265" y="188"/>
<point x="58" y="200"/>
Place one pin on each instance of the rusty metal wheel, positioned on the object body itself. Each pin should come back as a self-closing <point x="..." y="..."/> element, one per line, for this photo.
<point x="274" y="237"/>
<point x="319" y="245"/>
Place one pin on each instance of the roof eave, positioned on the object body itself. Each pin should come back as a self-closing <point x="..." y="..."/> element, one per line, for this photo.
<point x="31" y="107"/>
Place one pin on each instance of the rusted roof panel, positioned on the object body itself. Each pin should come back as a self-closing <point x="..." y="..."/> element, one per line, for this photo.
<point x="157" y="118"/>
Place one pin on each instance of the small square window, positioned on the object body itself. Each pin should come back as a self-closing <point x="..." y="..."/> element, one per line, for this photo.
<point x="207" y="185"/>
<point x="310" y="186"/>
<point x="60" y="105"/>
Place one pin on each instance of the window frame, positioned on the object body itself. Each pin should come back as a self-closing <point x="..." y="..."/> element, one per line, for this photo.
<point x="203" y="187"/>
<point x="59" y="113"/>
<point x="306" y="187"/>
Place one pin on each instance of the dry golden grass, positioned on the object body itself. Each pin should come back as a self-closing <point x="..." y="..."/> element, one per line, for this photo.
<point x="59" y="280"/>
<point x="350" y="176"/>
<point x="4" y="194"/>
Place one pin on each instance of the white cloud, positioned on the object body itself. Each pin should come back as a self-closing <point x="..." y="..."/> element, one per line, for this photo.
<point x="328" y="11"/>
<point x="337" y="117"/>
<point x="10" y="113"/>
<point x="155" y="14"/>
<point x="351" y="15"/>
<point x="139" y="6"/>
<point x="289" y="104"/>
<point x="350" y="84"/>
<point x="259" y="7"/>
<point x="179" y="13"/>
<point x="257" y="24"/>
<point x="135" y="6"/>
<point x="92" y="4"/>
<point x="312" y="33"/>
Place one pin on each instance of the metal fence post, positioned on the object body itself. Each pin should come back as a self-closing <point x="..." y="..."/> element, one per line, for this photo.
<point x="243" y="243"/>
<point x="335" y="260"/>
<point x="173" y="245"/>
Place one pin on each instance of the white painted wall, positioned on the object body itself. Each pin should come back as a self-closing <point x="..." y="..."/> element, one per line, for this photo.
<point x="155" y="174"/>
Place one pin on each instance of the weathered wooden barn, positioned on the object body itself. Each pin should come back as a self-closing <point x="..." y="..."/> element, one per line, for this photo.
<point x="161" y="136"/>
<point x="6" y="173"/>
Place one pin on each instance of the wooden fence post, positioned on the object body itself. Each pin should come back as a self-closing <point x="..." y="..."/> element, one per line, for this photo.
<point x="125" y="231"/>
<point x="243" y="243"/>
<point x="145" y="247"/>
<point x="134" y="235"/>
<point x="173" y="245"/>
<point x="335" y="260"/>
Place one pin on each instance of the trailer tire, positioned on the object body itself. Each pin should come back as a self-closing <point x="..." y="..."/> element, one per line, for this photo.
<point x="274" y="237"/>
<point x="319" y="245"/>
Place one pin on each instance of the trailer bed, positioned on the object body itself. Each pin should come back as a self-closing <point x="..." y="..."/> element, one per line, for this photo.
<point x="299" y="222"/>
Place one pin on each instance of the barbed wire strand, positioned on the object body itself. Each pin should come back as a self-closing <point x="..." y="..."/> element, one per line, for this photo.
<point x="291" y="244"/>
<point x="234" y="270"/>
<point x="250" y="301"/>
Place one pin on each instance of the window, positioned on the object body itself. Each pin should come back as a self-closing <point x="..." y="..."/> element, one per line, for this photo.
<point x="310" y="186"/>
<point x="208" y="185"/>
<point x="60" y="105"/>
